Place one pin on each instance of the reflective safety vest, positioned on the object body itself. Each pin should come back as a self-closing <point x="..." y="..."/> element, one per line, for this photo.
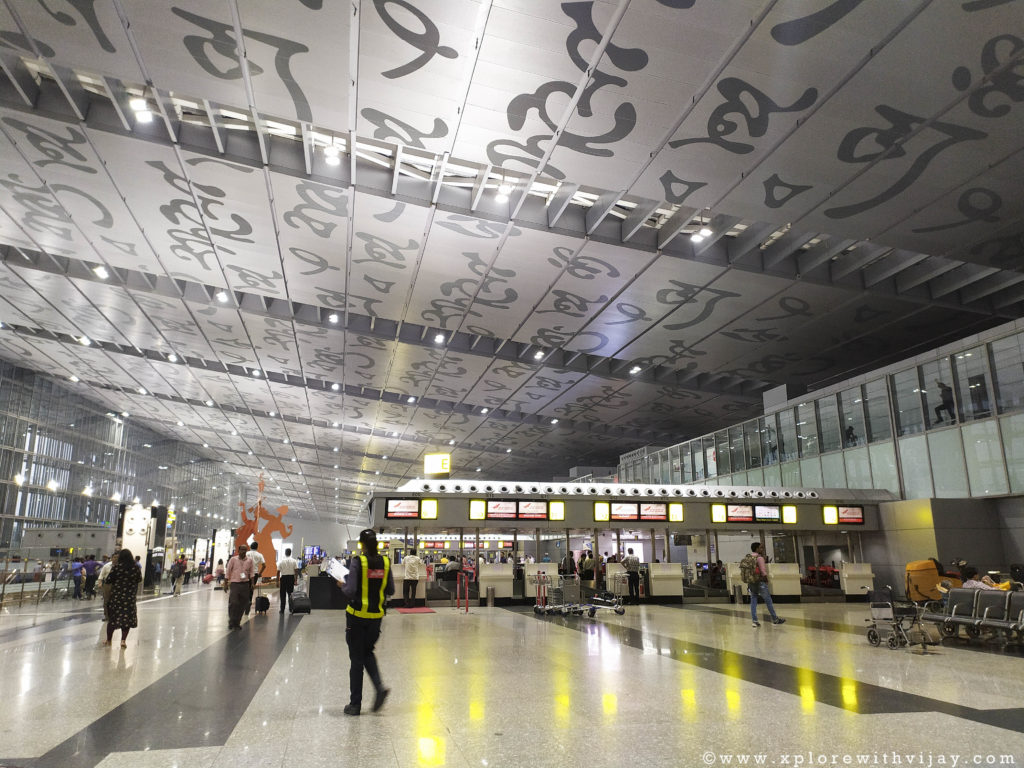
<point x="369" y="603"/>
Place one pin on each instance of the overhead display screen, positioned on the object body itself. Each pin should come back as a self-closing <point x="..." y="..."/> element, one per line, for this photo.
<point x="533" y="510"/>
<point x="402" y="508"/>
<point x="851" y="515"/>
<point x="739" y="513"/>
<point x="767" y="514"/>
<point x="653" y="511"/>
<point x="625" y="510"/>
<point x="501" y="510"/>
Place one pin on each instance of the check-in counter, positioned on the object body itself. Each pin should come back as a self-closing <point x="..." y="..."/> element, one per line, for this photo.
<point x="615" y="579"/>
<point x="666" y="579"/>
<point x="855" y="579"/>
<point x="499" y="576"/>
<point x="734" y="580"/>
<point x="398" y="574"/>
<point x="784" y="579"/>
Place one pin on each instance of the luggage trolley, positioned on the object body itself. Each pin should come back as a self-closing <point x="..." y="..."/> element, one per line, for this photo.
<point x="541" y="581"/>
<point x="565" y="598"/>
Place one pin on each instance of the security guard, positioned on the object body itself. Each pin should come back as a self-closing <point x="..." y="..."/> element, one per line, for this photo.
<point x="367" y="586"/>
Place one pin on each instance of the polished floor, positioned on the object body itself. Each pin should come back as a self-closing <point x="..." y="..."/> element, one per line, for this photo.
<point x="659" y="686"/>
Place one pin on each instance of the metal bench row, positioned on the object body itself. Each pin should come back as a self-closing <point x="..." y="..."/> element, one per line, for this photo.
<point x="979" y="609"/>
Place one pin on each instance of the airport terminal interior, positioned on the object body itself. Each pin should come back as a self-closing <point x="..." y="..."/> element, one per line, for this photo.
<point x="504" y="280"/>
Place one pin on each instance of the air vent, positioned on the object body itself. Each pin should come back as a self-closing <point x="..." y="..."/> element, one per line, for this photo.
<point x="812" y="494"/>
<point x="579" y="489"/>
<point x="503" y="488"/>
<point x="473" y="487"/>
<point x="692" y="492"/>
<point x="650" y="491"/>
<point x="759" y="493"/>
<point x="442" y="488"/>
<point x="457" y="488"/>
<point x="787" y="494"/>
<point x="426" y="487"/>
<point x="519" y="489"/>
<point x="719" y="493"/>
<point x="678" y="492"/>
<point x="705" y="492"/>
<point x="733" y="494"/>
<point x="800" y="495"/>
<point x="622" y="491"/>
<point x="773" y="494"/>
<point x="594" y="489"/>
<point x="488" y="489"/>
<point x="663" y="491"/>
<point x="534" y="489"/>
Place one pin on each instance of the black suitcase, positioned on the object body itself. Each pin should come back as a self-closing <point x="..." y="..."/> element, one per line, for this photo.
<point x="262" y="604"/>
<point x="300" y="602"/>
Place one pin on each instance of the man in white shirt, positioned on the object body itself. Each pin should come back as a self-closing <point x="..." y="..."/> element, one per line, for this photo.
<point x="412" y="565"/>
<point x="632" y="565"/>
<point x="286" y="568"/>
<point x="101" y="580"/>
<point x="259" y="563"/>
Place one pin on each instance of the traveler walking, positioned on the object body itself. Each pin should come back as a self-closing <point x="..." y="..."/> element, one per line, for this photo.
<point x="239" y="576"/>
<point x="367" y="586"/>
<point x="124" y="580"/>
<point x="632" y="565"/>
<point x="754" y="571"/>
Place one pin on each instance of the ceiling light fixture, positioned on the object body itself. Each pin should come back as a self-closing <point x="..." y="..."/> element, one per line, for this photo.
<point x="554" y="421"/>
<point x="181" y="423"/>
<point x="538" y="355"/>
<point x="142" y="390"/>
<point x="333" y="318"/>
<point x="85" y="341"/>
<point x="508" y="450"/>
<point x="485" y="410"/>
<point x="19" y="479"/>
<point x="635" y="370"/>
<point x="451" y="442"/>
<point x="410" y="399"/>
<point x="101" y="272"/>
<point x="52" y="485"/>
<point x="74" y="379"/>
<point x="439" y="338"/>
<point x="222" y="297"/>
<point x="140" y="107"/>
<point x="332" y="155"/>
<point x="335" y="386"/>
<point x="272" y="414"/>
<point x="256" y="372"/>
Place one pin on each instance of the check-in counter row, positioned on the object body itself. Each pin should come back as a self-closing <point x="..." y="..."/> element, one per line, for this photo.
<point x="784" y="579"/>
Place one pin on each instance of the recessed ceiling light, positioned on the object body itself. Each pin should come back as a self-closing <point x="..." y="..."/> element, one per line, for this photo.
<point x="410" y="399"/>
<point x="478" y="469"/>
<point x="451" y="442"/>
<point x="335" y="386"/>
<point x="222" y="297"/>
<point x="696" y="237"/>
<point x="206" y="445"/>
<point x="286" y="441"/>
<point x="272" y="414"/>
<point x="385" y="458"/>
<point x="335" y="449"/>
<point x="439" y="338"/>
<point x="704" y="232"/>
<point x="332" y="155"/>
<point x="181" y="423"/>
<point x="85" y="341"/>
<point x="144" y="116"/>
<point x="538" y="355"/>
<point x="142" y="390"/>
<point x="137" y="104"/>
<point x="101" y="272"/>
<point x="335" y="424"/>
<point x="485" y="410"/>
<point x="508" y="450"/>
<point x="256" y="372"/>
<point x="635" y="370"/>
<point x="172" y="358"/>
<point x="554" y="421"/>
<point x="332" y="318"/>
<point x="234" y="432"/>
<point x="74" y="379"/>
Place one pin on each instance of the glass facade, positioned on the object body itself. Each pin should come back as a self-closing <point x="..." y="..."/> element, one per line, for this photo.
<point x="948" y="427"/>
<point x="66" y="461"/>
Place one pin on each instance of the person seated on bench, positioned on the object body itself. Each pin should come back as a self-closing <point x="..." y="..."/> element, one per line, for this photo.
<point x="971" y="580"/>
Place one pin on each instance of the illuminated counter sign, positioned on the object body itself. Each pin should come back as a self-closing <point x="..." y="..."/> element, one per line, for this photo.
<point x="556" y="511"/>
<point x="501" y="510"/>
<point x="625" y="510"/>
<point x="764" y="513"/>
<point x="675" y="512"/>
<point x="532" y="510"/>
<point x="428" y="509"/>
<point x="402" y="508"/>
<point x="832" y="515"/>
<point x="789" y="514"/>
<point x="739" y="513"/>
<point x="477" y="509"/>
<point x="653" y="512"/>
<point x="602" y="511"/>
<point x="718" y="513"/>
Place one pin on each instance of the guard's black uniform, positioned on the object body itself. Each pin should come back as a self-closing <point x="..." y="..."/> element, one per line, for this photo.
<point x="368" y="585"/>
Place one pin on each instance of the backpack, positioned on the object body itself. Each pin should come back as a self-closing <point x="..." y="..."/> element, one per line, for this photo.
<point x="176" y="569"/>
<point x="748" y="569"/>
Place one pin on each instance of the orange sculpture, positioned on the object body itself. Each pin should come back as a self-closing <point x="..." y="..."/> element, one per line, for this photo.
<point x="250" y="529"/>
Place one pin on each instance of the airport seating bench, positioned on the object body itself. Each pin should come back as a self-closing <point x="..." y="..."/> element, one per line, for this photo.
<point x="976" y="610"/>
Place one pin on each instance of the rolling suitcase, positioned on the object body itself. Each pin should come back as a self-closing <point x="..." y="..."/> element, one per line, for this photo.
<point x="261" y="603"/>
<point x="300" y="602"/>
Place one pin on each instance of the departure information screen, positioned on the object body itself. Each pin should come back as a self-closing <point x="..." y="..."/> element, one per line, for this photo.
<point x="402" y="508"/>
<point x="764" y="513"/>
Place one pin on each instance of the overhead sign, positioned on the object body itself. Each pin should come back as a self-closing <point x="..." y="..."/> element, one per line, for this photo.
<point x="437" y="464"/>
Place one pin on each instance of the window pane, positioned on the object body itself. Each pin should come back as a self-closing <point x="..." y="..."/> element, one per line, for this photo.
<point x="938" y="393"/>
<point x="858" y="468"/>
<point x="710" y="457"/>
<point x="769" y="440"/>
<point x="807" y="429"/>
<point x="1008" y="369"/>
<point x="948" y="470"/>
<point x="852" y="403"/>
<point x="909" y="416"/>
<point x="787" y="435"/>
<point x="810" y="473"/>
<point x="791" y="474"/>
<point x="984" y="454"/>
<point x="917" y="473"/>
<point x="833" y="471"/>
<point x="883" y="466"/>
<point x="751" y="430"/>
<point x="973" y="384"/>
<point x="1012" y="428"/>
<point x="737" y="454"/>
<point x="828" y="420"/>
<point x="876" y="398"/>
<point x="722" y="454"/>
